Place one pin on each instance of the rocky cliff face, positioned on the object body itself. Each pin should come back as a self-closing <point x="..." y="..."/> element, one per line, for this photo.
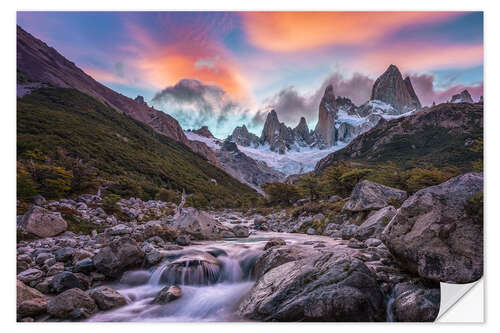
<point x="242" y="137"/>
<point x="390" y="88"/>
<point x="41" y="63"/>
<point x="463" y="97"/>
<point x="204" y="131"/>
<point x="244" y="168"/>
<point x="302" y="133"/>
<point x="276" y="134"/>
<point x="325" y="127"/>
<point x="440" y="135"/>
<point x="140" y="99"/>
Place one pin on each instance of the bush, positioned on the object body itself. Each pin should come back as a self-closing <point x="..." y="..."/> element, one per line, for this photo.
<point x="109" y="203"/>
<point x="283" y="194"/>
<point x="168" y="195"/>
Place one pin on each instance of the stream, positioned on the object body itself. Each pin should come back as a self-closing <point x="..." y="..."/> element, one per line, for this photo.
<point x="210" y="292"/>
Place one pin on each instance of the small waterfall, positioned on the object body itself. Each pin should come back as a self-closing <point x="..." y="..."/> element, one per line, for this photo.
<point x="389" y="311"/>
<point x="212" y="280"/>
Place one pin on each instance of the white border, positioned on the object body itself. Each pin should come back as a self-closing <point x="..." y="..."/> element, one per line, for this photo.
<point x="7" y="200"/>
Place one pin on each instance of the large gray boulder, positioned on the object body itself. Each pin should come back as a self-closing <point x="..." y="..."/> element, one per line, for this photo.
<point x="198" y="224"/>
<point x="42" y="222"/>
<point x="328" y="287"/>
<point x="73" y="303"/>
<point x="120" y="255"/>
<point x="434" y="235"/>
<point x="375" y="223"/>
<point x="368" y="195"/>
<point x="275" y="256"/>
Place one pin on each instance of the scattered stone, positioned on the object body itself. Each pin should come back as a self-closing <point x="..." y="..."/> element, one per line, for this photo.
<point x="168" y="294"/>
<point x="107" y="298"/>
<point x="32" y="307"/>
<point x="66" y="280"/>
<point x="62" y="305"/>
<point x="241" y="231"/>
<point x="119" y="256"/>
<point x="29" y="275"/>
<point x="183" y="240"/>
<point x="275" y="241"/>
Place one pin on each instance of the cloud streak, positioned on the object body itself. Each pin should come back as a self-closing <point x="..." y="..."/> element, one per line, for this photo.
<point x="195" y="104"/>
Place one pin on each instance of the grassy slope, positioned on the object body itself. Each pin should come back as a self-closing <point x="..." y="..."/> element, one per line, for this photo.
<point x="118" y="146"/>
<point x="429" y="144"/>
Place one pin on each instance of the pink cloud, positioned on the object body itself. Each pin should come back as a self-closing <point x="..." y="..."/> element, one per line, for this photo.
<point x="427" y="93"/>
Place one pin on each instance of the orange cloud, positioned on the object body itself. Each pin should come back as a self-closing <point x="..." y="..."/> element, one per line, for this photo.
<point x="418" y="56"/>
<point x="197" y="58"/>
<point x="295" y="31"/>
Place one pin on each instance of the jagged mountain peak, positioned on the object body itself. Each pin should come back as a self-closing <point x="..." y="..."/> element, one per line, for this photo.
<point x="463" y="96"/>
<point x="390" y="88"/>
<point x="204" y="131"/>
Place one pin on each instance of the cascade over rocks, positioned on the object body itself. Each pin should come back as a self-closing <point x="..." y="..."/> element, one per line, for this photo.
<point x="433" y="235"/>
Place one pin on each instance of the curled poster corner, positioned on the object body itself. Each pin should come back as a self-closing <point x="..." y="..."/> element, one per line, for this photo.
<point x="462" y="303"/>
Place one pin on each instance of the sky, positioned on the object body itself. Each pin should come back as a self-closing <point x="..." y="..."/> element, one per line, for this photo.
<point x="226" y="69"/>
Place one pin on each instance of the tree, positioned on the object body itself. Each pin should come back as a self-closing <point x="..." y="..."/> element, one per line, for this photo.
<point x="310" y="185"/>
<point x="283" y="194"/>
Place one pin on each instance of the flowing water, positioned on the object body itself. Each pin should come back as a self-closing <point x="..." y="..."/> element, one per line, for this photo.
<point x="211" y="288"/>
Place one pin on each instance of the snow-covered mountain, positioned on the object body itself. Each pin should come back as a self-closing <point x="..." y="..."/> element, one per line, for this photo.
<point x="292" y="150"/>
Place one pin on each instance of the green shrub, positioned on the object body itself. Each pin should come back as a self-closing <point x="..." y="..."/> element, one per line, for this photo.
<point x="109" y="203"/>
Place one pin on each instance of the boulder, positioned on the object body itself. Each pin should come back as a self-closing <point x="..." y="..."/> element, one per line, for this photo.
<point x="275" y="241"/>
<point x="414" y="304"/>
<point x="73" y="303"/>
<point x="64" y="254"/>
<point x="32" y="307"/>
<point x="240" y="231"/>
<point x="375" y="224"/>
<point x="323" y="287"/>
<point x="160" y="229"/>
<point x="118" y="256"/>
<point x="198" y="224"/>
<point x="368" y="195"/>
<point x="24" y="293"/>
<point x="42" y="222"/>
<point x="64" y="281"/>
<point x="168" y="294"/>
<point x="84" y="266"/>
<point x="279" y="255"/>
<point x="107" y="298"/>
<point x="29" y="275"/>
<point x="183" y="240"/>
<point x="435" y="234"/>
